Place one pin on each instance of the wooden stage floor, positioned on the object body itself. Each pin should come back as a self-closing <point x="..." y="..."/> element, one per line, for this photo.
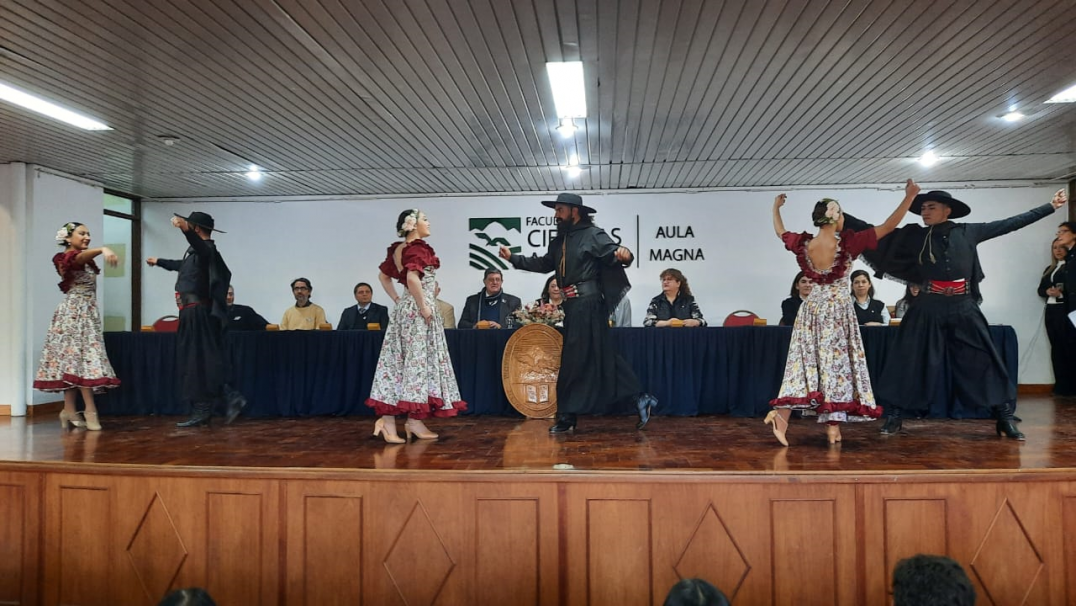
<point x="611" y="444"/>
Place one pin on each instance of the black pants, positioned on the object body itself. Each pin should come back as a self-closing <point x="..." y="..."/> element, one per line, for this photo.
<point x="594" y="378"/>
<point x="936" y="330"/>
<point x="1062" y="335"/>
<point x="201" y="365"/>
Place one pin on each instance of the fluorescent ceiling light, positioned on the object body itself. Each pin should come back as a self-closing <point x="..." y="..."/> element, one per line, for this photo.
<point x="566" y="80"/>
<point x="567" y="127"/>
<point x="928" y="159"/>
<point x="573" y="171"/>
<point x="47" y="108"/>
<point x="1066" y="96"/>
<point x="1013" y="117"/>
<point x="255" y="173"/>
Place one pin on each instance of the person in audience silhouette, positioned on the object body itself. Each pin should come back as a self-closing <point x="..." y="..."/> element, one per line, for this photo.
<point x="305" y="314"/>
<point x="931" y="580"/>
<point x="414" y="373"/>
<point x="241" y="317"/>
<point x="869" y="311"/>
<point x="826" y="371"/>
<point x="675" y="306"/>
<point x="911" y="295"/>
<point x="801" y="287"/>
<point x="1059" y="330"/>
<point x="364" y="312"/>
<point x="491" y="304"/>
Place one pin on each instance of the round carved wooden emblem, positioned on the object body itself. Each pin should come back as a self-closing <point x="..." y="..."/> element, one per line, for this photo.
<point x="529" y="370"/>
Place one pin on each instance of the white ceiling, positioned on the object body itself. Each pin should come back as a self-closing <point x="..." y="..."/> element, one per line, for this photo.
<point x="429" y="96"/>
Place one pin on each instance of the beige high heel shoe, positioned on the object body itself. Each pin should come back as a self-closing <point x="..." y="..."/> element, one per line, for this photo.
<point x="91" y="421"/>
<point x="833" y="432"/>
<point x="388" y="431"/>
<point x="69" y="418"/>
<point x="417" y="427"/>
<point x="775" y="419"/>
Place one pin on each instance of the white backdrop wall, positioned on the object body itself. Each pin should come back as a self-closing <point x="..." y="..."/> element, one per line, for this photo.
<point x="742" y="264"/>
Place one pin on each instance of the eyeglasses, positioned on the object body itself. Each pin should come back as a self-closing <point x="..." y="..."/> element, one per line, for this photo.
<point x="307" y="288"/>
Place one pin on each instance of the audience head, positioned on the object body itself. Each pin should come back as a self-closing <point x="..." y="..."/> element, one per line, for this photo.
<point x="551" y="289"/>
<point x="302" y="289"/>
<point x="861" y="284"/>
<point x="827" y="211"/>
<point x="1058" y="250"/>
<point x="911" y="291"/>
<point x="1066" y="233"/>
<point x="192" y="596"/>
<point x="674" y="282"/>
<point x="494" y="280"/>
<point x="801" y="286"/>
<point x="413" y="222"/>
<point x="73" y="234"/>
<point x="930" y="580"/>
<point x="695" y="592"/>
<point x="364" y="293"/>
<point x="231" y="296"/>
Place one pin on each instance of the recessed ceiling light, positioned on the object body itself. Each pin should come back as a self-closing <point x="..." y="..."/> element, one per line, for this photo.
<point x="1013" y="117"/>
<point x="573" y="171"/>
<point x="1066" y="96"/>
<point x="567" y="127"/>
<point x="928" y="159"/>
<point x="566" y="80"/>
<point x="254" y="173"/>
<point x="48" y="108"/>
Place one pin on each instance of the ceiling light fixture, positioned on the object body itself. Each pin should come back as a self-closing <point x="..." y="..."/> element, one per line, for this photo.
<point x="573" y="169"/>
<point x="254" y="173"/>
<point x="47" y="108"/>
<point x="1013" y="117"/>
<point x="928" y="159"/>
<point x="566" y="80"/>
<point x="1066" y="96"/>
<point x="567" y="127"/>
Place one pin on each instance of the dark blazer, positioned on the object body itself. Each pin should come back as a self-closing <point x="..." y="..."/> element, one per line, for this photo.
<point x="351" y="319"/>
<point x="873" y="313"/>
<point x="790" y="308"/>
<point x="241" y="317"/>
<point x="470" y="315"/>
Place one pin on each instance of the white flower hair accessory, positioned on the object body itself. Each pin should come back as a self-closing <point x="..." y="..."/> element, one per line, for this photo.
<point x="409" y="223"/>
<point x="833" y="212"/>
<point x="64" y="233"/>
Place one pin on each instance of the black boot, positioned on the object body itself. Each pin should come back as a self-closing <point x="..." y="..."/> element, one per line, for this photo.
<point x="1006" y="425"/>
<point x="565" y="423"/>
<point x="199" y="415"/>
<point x="235" y="403"/>
<point x="644" y="403"/>
<point x="893" y="423"/>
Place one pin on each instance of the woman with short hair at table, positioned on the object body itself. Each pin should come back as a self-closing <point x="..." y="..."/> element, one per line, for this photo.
<point x="1059" y="330"/>
<point x="73" y="359"/>
<point x="869" y="311"/>
<point x="826" y="371"/>
<point x="675" y="306"/>
<point x="911" y="295"/>
<point x="801" y="288"/>
<point x="414" y="373"/>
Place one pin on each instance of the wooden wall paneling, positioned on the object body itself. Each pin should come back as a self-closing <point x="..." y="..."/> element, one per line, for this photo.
<point x="1067" y="529"/>
<point x="79" y="556"/>
<point x="20" y="536"/>
<point x="325" y="559"/>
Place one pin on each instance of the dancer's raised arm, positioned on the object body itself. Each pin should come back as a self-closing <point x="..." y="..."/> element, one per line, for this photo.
<point x="778" y="224"/>
<point x="911" y="190"/>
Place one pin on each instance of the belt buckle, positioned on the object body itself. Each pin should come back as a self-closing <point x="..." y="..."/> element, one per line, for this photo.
<point x="569" y="292"/>
<point x="949" y="291"/>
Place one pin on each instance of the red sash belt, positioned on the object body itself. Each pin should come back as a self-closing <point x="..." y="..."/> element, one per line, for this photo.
<point x="947" y="288"/>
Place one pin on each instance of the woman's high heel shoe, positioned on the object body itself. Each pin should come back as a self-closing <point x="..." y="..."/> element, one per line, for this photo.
<point x="387" y="431"/>
<point x="417" y="427"/>
<point x="70" y="418"/>
<point x="775" y="419"/>
<point x="92" y="423"/>
<point x="833" y="432"/>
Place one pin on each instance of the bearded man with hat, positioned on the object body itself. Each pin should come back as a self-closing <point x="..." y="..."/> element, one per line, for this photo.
<point x="589" y="266"/>
<point x="947" y="322"/>
<point x="201" y="293"/>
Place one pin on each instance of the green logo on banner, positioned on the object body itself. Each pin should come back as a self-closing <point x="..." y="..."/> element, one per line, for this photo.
<point x="490" y="234"/>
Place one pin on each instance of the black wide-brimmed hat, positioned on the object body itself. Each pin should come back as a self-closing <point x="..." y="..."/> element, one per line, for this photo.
<point x="959" y="208"/>
<point x="203" y="220"/>
<point x="569" y="200"/>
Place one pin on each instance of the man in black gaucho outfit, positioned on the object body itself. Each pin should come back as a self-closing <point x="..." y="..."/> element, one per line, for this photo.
<point x="589" y="266"/>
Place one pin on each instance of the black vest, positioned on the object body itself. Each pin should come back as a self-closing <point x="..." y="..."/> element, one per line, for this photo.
<point x="873" y="313"/>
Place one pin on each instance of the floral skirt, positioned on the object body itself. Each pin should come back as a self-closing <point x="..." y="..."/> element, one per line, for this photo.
<point x="74" y="351"/>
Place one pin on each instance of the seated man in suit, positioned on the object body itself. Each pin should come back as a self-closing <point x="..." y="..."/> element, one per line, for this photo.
<point x="491" y="304"/>
<point x="305" y="314"/>
<point x="448" y="313"/>
<point x="241" y="317"/>
<point x="365" y="312"/>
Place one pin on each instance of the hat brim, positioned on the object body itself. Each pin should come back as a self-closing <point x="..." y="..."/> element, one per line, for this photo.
<point x="554" y="203"/>
<point x="187" y="219"/>
<point x="959" y="209"/>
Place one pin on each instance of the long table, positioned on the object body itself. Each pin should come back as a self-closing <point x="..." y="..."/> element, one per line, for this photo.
<point x="719" y="370"/>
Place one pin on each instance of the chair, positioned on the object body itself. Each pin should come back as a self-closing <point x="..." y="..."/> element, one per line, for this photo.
<point x="741" y="317"/>
<point x="166" y="324"/>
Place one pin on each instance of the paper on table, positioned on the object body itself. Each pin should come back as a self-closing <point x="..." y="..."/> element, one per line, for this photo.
<point x="1072" y="317"/>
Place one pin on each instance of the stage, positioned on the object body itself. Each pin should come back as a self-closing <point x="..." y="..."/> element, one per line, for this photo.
<point x="317" y="511"/>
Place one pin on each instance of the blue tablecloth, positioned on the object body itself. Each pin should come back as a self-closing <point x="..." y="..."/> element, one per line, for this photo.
<point x="734" y="370"/>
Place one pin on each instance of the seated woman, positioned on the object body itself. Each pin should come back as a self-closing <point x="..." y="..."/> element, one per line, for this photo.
<point x="869" y="311"/>
<point x="911" y="292"/>
<point x="801" y="287"/>
<point x="674" y="303"/>
<point x="551" y="293"/>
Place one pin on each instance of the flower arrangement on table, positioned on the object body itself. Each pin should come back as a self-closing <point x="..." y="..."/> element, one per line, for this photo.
<point x="539" y="313"/>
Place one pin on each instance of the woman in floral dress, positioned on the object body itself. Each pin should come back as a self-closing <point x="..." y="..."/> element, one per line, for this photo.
<point x="74" y="358"/>
<point x="414" y="373"/>
<point x="826" y="372"/>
